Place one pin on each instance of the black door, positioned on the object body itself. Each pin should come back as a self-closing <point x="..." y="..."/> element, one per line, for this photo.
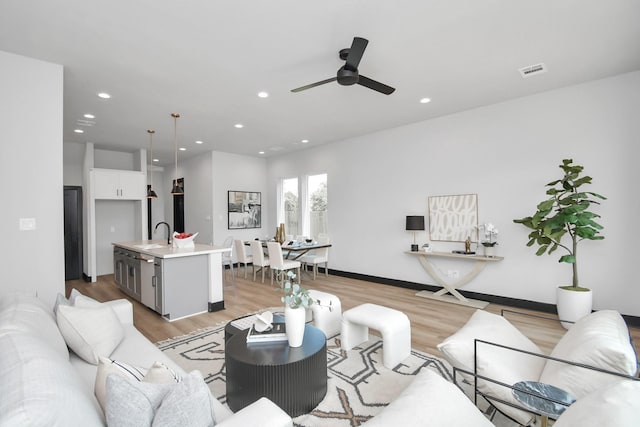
<point x="72" y="232"/>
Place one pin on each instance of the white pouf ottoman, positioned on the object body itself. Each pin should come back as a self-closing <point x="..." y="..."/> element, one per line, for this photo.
<point x="394" y="326"/>
<point x="326" y="316"/>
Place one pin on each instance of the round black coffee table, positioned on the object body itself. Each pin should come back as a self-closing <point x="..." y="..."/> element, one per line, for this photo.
<point x="295" y="379"/>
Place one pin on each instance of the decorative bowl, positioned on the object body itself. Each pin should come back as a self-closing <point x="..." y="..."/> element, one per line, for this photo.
<point x="186" y="242"/>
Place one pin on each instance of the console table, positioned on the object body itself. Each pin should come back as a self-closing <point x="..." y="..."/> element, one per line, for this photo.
<point x="455" y="297"/>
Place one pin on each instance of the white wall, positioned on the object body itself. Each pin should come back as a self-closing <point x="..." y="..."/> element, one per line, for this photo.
<point x="232" y="172"/>
<point x="73" y="154"/>
<point x="107" y="159"/>
<point x="157" y="205"/>
<point x="115" y="220"/>
<point x="31" y="173"/>
<point x="207" y="180"/>
<point x="197" y="175"/>
<point x="505" y="153"/>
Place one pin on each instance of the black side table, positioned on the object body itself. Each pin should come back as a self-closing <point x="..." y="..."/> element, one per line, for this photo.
<point x="295" y="379"/>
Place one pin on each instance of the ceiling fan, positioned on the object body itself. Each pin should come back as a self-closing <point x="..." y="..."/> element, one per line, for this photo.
<point x="348" y="74"/>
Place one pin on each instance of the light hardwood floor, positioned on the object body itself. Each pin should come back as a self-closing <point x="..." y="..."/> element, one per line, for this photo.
<point x="431" y="321"/>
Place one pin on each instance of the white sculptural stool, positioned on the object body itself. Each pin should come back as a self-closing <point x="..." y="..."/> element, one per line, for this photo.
<point x="327" y="314"/>
<point x="394" y="326"/>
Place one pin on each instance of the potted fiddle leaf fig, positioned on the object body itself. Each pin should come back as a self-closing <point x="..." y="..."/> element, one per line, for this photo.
<point x="562" y="221"/>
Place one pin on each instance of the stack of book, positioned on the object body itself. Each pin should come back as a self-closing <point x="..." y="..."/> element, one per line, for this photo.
<point x="275" y="334"/>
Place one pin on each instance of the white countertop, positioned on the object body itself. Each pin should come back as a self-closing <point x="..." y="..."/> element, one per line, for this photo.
<point x="150" y="247"/>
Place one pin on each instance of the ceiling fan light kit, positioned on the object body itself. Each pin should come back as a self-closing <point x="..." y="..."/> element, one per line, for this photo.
<point x="348" y="74"/>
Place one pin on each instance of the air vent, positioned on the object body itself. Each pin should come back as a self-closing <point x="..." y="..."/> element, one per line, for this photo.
<point x="83" y="122"/>
<point x="533" y="70"/>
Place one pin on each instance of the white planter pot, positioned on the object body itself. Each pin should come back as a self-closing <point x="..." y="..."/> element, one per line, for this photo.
<point x="489" y="251"/>
<point x="573" y="305"/>
<point x="294" y="319"/>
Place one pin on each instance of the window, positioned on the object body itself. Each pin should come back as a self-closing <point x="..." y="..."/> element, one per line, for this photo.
<point x="291" y="206"/>
<point x="316" y="214"/>
<point x="303" y="206"/>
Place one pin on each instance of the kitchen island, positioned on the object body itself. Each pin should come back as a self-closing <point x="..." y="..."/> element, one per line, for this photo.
<point x="175" y="282"/>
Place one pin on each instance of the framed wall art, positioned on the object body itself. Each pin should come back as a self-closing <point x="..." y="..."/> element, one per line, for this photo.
<point x="453" y="218"/>
<point x="244" y="209"/>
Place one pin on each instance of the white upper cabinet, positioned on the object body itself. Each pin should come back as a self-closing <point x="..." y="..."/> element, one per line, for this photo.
<point x="118" y="184"/>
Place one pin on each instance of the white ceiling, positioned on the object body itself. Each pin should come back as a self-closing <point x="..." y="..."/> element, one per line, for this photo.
<point x="207" y="60"/>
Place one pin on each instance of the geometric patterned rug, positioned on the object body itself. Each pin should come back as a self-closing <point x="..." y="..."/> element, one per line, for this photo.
<point x="358" y="385"/>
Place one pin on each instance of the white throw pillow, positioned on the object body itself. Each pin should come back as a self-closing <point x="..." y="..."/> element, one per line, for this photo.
<point x="503" y="365"/>
<point x="85" y="301"/>
<point x="600" y="339"/>
<point x="440" y="403"/>
<point x="617" y="404"/>
<point x="90" y="332"/>
<point x="159" y="373"/>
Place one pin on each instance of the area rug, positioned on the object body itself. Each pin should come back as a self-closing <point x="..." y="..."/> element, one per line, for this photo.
<point x="358" y="386"/>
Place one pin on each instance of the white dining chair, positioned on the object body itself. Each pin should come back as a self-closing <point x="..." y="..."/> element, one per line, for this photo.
<point x="227" y="259"/>
<point x="278" y="264"/>
<point x="241" y="255"/>
<point x="317" y="257"/>
<point x="259" y="260"/>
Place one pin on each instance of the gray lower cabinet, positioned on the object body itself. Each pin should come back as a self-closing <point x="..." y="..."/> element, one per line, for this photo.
<point x="181" y="285"/>
<point x="119" y="257"/>
<point x="174" y="287"/>
<point x="126" y="271"/>
<point x="158" y="285"/>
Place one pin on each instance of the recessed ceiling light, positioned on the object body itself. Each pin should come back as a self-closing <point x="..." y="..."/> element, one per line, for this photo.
<point x="304" y="141"/>
<point x="78" y="131"/>
<point x="104" y="95"/>
<point x="260" y="152"/>
<point x="425" y="100"/>
<point x="156" y="160"/>
<point x="183" y="149"/>
<point x="89" y="116"/>
<point x="239" y="125"/>
<point x="198" y="142"/>
<point x="263" y="95"/>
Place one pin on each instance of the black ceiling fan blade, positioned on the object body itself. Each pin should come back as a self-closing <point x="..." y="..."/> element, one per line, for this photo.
<point x="301" y="88"/>
<point x="355" y="53"/>
<point x="377" y="86"/>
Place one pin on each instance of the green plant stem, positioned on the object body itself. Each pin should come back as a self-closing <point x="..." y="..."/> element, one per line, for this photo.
<point x="575" y="262"/>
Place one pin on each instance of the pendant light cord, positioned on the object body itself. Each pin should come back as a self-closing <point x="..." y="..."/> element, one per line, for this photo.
<point x="175" y="140"/>
<point x="151" y="132"/>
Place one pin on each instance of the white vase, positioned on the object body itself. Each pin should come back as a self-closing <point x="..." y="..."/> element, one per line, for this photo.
<point x="573" y="305"/>
<point x="294" y="319"/>
<point x="489" y="251"/>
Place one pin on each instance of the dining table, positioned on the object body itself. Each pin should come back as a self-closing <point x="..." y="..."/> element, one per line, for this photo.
<point x="294" y="250"/>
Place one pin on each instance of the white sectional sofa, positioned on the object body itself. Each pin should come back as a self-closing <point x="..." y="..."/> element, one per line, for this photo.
<point x="43" y="383"/>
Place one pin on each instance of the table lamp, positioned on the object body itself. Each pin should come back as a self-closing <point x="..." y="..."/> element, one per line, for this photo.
<point x="415" y="223"/>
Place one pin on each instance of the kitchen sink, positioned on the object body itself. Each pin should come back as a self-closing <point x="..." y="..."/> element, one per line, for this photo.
<point x="150" y="246"/>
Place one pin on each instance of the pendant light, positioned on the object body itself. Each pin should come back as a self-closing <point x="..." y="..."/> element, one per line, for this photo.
<point x="150" y="193"/>
<point x="176" y="191"/>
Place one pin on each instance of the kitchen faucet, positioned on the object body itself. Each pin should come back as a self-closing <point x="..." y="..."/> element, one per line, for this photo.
<point x="168" y="231"/>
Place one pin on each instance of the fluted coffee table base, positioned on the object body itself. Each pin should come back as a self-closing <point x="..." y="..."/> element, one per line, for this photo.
<point x="295" y="379"/>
